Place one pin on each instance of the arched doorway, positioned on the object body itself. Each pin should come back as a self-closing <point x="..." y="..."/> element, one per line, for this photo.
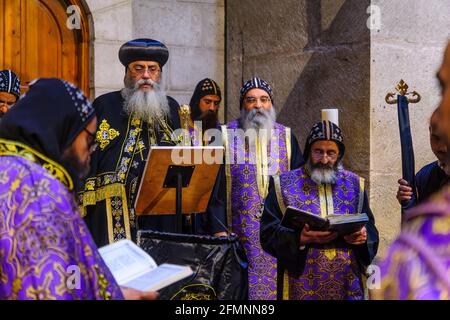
<point x="36" y="41"/>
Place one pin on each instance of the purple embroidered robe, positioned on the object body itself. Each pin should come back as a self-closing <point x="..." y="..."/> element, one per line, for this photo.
<point x="331" y="271"/>
<point x="417" y="265"/>
<point x="247" y="173"/>
<point x="46" y="250"/>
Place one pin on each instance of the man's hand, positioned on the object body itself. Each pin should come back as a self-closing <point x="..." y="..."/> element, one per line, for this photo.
<point x="359" y="237"/>
<point x="404" y="191"/>
<point x="309" y="236"/>
<point x="133" y="294"/>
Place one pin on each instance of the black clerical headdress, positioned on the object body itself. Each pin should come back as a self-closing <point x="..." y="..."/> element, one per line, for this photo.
<point x="255" y="83"/>
<point x="48" y="118"/>
<point x="325" y="130"/>
<point x="204" y="88"/>
<point x="10" y="83"/>
<point x="145" y="50"/>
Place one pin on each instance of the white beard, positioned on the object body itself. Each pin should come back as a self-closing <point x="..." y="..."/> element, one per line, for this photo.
<point x="252" y="120"/>
<point x="323" y="175"/>
<point x="262" y="124"/>
<point x="146" y="105"/>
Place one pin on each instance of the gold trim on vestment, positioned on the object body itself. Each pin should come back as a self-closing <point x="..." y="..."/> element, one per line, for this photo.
<point x="361" y="195"/>
<point x="279" y="194"/>
<point x="228" y="176"/>
<point x="14" y="148"/>
<point x="286" y="285"/>
<point x="288" y="146"/>
<point x="330" y="202"/>
<point x="109" y="220"/>
<point x="322" y="200"/>
<point x="126" y="215"/>
<point x="262" y="168"/>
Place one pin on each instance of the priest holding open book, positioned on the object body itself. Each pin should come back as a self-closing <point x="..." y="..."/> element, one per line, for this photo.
<point x="315" y="264"/>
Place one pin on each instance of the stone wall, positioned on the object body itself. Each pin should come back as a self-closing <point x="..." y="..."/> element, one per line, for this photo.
<point x="193" y="31"/>
<point x="111" y="26"/>
<point x="320" y="54"/>
<point x="315" y="54"/>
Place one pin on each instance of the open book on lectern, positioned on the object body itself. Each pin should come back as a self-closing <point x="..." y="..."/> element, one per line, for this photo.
<point x="198" y="167"/>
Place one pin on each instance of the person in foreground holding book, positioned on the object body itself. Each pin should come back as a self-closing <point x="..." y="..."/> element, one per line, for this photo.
<point x="319" y="264"/>
<point x="46" y="251"/>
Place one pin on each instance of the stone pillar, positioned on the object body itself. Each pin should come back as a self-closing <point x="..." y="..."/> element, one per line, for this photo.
<point x="112" y="26"/>
<point x="409" y="45"/>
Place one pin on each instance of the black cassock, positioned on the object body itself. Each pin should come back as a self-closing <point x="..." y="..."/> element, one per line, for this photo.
<point x="429" y="180"/>
<point x="108" y="194"/>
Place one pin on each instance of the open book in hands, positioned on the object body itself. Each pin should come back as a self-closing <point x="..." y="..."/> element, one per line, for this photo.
<point x="132" y="267"/>
<point x="343" y="224"/>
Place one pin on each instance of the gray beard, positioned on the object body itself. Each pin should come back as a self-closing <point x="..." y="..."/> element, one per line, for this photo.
<point x="147" y="105"/>
<point x="323" y="175"/>
<point x="252" y="120"/>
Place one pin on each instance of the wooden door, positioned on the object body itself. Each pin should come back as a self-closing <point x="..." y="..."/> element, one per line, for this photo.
<point x="36" y="41"/>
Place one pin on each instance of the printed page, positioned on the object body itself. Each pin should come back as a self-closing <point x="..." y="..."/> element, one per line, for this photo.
<point x="160" y="277"/>
<point x="126" y="260"/>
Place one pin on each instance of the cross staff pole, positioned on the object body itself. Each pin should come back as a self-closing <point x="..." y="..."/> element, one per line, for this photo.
<point x="402" y="101"/>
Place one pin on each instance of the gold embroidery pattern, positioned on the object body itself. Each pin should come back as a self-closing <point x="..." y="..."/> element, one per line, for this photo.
<point x="329" y="273"/>
<point x="43" y="236"/>
<point x="195" y="292"/>
<point x="247" y="186"/>
<point x="106" y="134"/>
<point x="322" y="278"/>
<point x="110" y="186"/>
<point x="103" y="284"/>
<point x="406" y="273"/>
<point x="13" y="148"/>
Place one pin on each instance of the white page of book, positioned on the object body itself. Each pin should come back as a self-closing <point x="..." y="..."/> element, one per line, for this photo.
<point x="158" y="278"/>
<point x="126" y="260"/>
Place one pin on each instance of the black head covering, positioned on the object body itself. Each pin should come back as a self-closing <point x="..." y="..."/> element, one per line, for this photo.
<point x="325" y="130"/>
<point x="255" y="83"/>
<point x="145" y="50"/>
<point x="10" y="83"/>
<point x="48" y="118"/>
<point x="205" y="87"/>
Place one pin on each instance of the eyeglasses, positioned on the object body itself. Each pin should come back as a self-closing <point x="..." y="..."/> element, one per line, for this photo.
<point x="252" y="100"/>
<point x="7" y="103"/>
<point x="319" y="154"/>
<point x="92" y="144"/>
<point x="141" y="69"/>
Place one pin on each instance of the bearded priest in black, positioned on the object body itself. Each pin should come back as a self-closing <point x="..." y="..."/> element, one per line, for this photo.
<point x="130" y="121"/>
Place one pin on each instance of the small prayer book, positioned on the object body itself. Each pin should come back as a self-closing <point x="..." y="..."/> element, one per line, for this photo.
<point x="343" y="224"/>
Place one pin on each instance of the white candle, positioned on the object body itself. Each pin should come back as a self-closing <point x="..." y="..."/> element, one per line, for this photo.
<point x="331" y="115"/>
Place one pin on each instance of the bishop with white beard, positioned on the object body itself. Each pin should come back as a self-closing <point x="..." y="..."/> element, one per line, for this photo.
<point x="129" y="122"/>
